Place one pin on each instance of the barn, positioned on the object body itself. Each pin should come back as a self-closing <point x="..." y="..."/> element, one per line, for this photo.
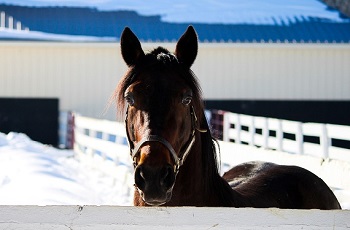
<point x="290" y="67"/>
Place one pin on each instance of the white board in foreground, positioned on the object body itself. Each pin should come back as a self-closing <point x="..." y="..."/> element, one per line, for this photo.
<point x="114" y="217"/>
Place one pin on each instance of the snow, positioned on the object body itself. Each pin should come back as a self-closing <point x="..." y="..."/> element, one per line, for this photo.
<point x="36" y="35"/>
<point x="35" y="174"/>
<point x="208" y="11"/>
<point x="32" y="173"/>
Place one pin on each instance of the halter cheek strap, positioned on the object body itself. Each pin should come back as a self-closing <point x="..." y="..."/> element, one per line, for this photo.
<point x="178" y="161"/>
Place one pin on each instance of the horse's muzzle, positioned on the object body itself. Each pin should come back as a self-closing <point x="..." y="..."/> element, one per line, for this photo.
<point x="155" y="184"/>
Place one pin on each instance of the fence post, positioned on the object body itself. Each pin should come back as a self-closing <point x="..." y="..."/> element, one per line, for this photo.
<point x="93" y="134"/>
<point x="238" y="129"/>
<point x="299" y="138"/>
<point x="217" y="117"/>
<point x="279" y="135"/>
<point x="251" y="131"/>
<point x="70" y="130"/>
<point x="265" y="133"/>
<point x="324" y="141"/>
<point x="105" y="137"/>
<point x="226" y="127"/>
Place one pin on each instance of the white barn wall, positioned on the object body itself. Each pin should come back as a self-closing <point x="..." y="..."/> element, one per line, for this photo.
<point x="84" y="75"/>
<point x="274" y="71"/>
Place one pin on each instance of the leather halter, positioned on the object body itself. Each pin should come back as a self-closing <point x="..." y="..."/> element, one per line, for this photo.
<point x="178" y="161"/>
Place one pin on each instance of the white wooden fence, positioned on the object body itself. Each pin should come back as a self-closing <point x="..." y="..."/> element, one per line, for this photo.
<point x="103" y="136"/>
<point x="108" y="139"/>
<point x="270" y="133"/>
<point x="101" y="141"/>
<point x="112" y="217"/>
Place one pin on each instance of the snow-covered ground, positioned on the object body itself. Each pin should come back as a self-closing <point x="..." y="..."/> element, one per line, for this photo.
<point x="35" y="174"/>
<point x="207" y="11"/>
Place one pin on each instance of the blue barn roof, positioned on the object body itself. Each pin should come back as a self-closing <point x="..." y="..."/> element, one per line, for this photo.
<point x="93" y="22"/>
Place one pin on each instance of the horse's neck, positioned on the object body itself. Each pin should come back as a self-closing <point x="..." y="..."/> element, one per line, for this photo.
<point x="195" y="186"/>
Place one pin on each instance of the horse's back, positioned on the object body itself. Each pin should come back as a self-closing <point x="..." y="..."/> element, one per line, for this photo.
<point x="263" y="184"/>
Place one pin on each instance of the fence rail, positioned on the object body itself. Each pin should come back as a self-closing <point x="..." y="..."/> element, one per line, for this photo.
<point x="104" y="138"/>
<point x="287" y="136"/>
<point x="112" y="217"/>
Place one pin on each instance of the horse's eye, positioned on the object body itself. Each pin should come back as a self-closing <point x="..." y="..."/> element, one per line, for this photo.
<point x="129" y="98"/>
<point x="186" y="100"/>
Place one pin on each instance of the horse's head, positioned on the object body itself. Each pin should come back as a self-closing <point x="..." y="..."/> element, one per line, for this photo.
<point x="161" y="97"/>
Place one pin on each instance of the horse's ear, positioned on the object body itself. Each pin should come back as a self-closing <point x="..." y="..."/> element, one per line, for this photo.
<point x="187" y="47"/>
<point x="130" y="47"/>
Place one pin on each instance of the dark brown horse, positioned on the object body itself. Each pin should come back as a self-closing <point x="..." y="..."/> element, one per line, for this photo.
<point x="172" y="148"/>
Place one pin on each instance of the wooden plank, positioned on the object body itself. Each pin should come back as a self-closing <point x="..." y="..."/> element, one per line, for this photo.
<point x="290" y="126"/>
<point x="259" y="140"/>
<point x="325" y="141"/>
<point x="113" y="217"/>
<point x="226" y="127"/>
<point x="246" y="120"/>
<point x="340" y="132"/>
<point x="262" y="123"/>
<point x="245" y="137"/>
<point x="107" y="147"/>
<point x="290" y="146"/>
<point x="273" y="143"/>
<point x="110" y="127"/>
<point x="273" y="123"/>
<point x="232" y="117"/>
<point x="312" y="129"/>
<point x="312" y="149"/>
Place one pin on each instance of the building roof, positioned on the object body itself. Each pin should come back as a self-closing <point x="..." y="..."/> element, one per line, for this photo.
<point x="289" y="25"/>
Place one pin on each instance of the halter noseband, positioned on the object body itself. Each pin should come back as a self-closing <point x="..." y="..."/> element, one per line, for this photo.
<point x="178" y="161"/>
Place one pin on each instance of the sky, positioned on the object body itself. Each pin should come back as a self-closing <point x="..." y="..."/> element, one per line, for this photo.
<point x="206" y="11"/>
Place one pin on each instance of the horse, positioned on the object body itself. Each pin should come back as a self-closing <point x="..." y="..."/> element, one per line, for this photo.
<point x="172" y="149"/>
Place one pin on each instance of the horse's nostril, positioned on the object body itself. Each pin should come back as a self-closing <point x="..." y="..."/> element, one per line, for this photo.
<point x="168" y="176"/>
<point x="139" y="177"/>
